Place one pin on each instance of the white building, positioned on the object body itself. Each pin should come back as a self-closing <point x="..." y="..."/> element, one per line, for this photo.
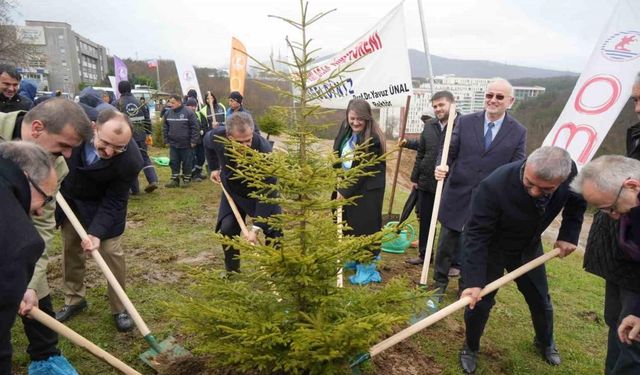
<point x="468" y="92"/>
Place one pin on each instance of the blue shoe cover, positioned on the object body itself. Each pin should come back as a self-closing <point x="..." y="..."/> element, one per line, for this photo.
<point x="56" y="365"/>
<point x="365" y="274"/>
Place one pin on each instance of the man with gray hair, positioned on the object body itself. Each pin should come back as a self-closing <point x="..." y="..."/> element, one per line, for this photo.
<point x="57" y="125"/>
<point x="238" y="128"/>
<point x="480" y="143"/>
<point x="509" y="211"/>
<point x="27" y="183"/>
<point x="611" y="183"/>
<point x="604" y="257"/>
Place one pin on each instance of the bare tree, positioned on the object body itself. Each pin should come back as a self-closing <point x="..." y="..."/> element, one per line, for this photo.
<point x="12" y="50"/>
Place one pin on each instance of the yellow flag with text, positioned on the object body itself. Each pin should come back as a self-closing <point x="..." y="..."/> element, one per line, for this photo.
<point x="237" y="66"/>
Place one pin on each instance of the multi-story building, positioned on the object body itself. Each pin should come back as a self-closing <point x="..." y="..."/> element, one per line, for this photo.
<point x="469" y="94"/>
<point x="68" y="59"/>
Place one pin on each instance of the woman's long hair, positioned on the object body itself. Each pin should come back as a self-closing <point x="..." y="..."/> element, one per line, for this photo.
<point x="363" y="110"/>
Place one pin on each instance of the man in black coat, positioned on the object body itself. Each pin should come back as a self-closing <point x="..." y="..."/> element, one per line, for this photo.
<point x="603" y="257"/>
<point x="27" y="182"/>
<point x="422" y="174"/>
<point x="97" y="189"/>
<point x="181" y="133"/>
<point x="239" y="128"/>
<point x="10" y="99"/>
<point x="509" y="211"/>
<point x="611" y="183"/>
<point x="129" y="105"/>
<point x="480" y="143"/>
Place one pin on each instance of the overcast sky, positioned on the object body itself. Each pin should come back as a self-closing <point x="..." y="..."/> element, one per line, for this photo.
<point x="556" y="34"/>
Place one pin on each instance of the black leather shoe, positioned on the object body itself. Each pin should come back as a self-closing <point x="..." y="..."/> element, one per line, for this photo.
<point x="549" y="353"/>
<point x="69" y="311"/>
<point x="123" y="322"/>
<point x="415" y="261"/>
<point x="468" y="360"/>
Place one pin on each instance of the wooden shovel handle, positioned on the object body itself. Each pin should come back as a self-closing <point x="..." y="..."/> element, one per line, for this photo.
<point x="431" y="319"/>
<point x="144" y="330"/>
<point x="80" y="341"/>
<point x="436" y="201"/>
<point x="236" y="212"/>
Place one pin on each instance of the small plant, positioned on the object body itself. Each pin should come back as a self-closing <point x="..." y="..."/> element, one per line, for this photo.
<point x="273" y="122"/>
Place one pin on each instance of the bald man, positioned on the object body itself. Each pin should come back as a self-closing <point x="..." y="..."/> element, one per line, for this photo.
<point x="97" y="188"/>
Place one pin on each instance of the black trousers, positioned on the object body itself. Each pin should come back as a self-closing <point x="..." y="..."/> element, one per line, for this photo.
<point x="181" y="157"/>
<point x="447" y="254"/>
<point x="622" y="359"/>
<point x="534" y="288"/>
<point x="425" y="209"/>
<point x="42" y="340"/>
<point x="198" y="160"/>
<point x="148" y="168"/>
<point x="228" y="226"/>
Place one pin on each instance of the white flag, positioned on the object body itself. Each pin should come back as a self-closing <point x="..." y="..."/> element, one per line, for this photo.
<point x="603" y="87"/>
<point x="188" y="79"/>
<point x="384" y="78"/>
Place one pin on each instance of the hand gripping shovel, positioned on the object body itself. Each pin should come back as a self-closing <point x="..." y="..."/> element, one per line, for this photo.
<point x="80" y="341"/>
<point x="169" y="349"/>
<point x="432" y="319"/>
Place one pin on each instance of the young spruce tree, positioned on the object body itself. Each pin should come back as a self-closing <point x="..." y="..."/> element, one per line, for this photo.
<point x="284" y="313"/>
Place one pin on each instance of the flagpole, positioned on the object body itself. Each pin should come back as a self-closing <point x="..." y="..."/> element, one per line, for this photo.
<point x="158" y="73"/>
<point x="426" y="46"/>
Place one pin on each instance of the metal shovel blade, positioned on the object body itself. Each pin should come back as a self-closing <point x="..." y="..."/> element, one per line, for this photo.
<point x="169" y="351"/>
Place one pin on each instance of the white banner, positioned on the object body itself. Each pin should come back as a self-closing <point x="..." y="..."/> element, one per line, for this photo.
<point x="188" y="80"/>
<point x="384" y="78"/>
<point x="603" y="87"/>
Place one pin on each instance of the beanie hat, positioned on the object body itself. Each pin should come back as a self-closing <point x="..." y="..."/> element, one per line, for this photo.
<point x="124" y="87"/>
<point x="191" y="102"/>
<point x="192" y="94"/>
<point x="235" y="96"/>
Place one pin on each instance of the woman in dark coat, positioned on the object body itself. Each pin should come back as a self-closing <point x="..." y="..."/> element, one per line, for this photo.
<point x="365" y="216"/>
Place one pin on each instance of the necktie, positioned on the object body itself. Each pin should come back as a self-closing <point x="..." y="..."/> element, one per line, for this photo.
<point x="488" y="136"/>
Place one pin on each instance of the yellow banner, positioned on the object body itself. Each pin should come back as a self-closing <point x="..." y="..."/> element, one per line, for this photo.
<point x="237" y="66"/>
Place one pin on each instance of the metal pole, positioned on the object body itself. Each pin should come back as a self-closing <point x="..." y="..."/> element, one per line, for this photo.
<point x="158" y="73"/>
<point x="426" y="46"/>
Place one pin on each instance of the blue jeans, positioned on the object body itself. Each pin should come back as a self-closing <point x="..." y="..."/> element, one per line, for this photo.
<point x="181" y="157"/>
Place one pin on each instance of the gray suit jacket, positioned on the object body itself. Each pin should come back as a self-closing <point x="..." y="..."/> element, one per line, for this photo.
<point x="469" y="163"/>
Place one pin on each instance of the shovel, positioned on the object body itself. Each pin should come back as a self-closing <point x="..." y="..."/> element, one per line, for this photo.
<point x="389" y="216"/>
<point x="436" y="317"/>
<point x="169" y="348"/>
<point x="80" y="341"/>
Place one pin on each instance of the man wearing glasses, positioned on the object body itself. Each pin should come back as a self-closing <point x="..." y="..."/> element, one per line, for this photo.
<point x="27" y="183"/>
<point x="56" y="125"/>
<point x="611" y="183"/>
<point x="604" y="257"/>
<point x="97" y="188"/>
<point x="510" y="210"/>
<point x="480" y="143"/>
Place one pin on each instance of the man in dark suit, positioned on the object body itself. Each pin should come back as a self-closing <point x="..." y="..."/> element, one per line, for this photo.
<point x="422" y="179"/>
<point x="604" y="257"/>
<point x="97" y="189"/>
<point x="239" y="128"/>
<point x="509" y="211"/>
<point x="480" y="143"/>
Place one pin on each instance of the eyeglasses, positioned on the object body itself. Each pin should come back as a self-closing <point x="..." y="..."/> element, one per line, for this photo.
<point x="116" y="149"/>
<point x="47" y="198"/>
<point x="490" y="96"/>
<point x="611" y="209"/>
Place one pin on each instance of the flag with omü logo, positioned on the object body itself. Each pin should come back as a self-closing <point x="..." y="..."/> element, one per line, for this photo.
<point x="237" y="66"/>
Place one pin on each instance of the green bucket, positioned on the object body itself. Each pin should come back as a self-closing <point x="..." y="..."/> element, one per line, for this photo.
<point x="398" y="242"/>
<point x="160" y="160"/>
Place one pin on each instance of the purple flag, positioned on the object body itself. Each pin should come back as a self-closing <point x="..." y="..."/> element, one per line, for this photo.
<point x="121" y="72"/>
